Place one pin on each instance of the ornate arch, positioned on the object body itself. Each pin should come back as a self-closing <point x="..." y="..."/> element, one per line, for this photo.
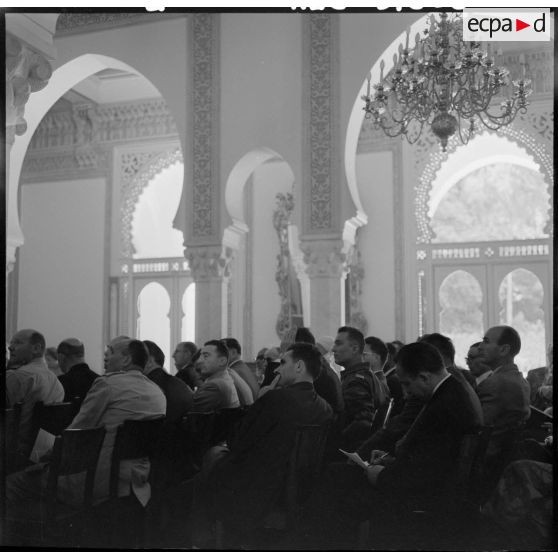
<point x="137" y="169"/>
<point x="532" y="131"/>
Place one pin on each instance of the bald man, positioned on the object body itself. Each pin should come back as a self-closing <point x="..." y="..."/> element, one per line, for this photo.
<point x="77" y="377"/>
<point x="29" y="380"/>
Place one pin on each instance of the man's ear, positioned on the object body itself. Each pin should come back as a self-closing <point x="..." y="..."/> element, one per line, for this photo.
<point x="424" y="376"/>
<point x="504" y="349"/>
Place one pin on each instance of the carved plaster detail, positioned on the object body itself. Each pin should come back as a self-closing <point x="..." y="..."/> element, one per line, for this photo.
<point x="136" y="171"/>
<point x="205" y="116"/>
<point x="27" y="71"/>
<point x="322" y="171"/>
<point x="356" y="317"/>
<point x="325" y="258"/>
<point x="285" y="276"/>
<point x="65" y="161"/>
<point x="209" y="262"/>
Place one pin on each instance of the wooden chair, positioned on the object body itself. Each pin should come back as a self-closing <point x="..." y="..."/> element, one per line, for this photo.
<point x="75" y="451"/>
<point x="9" y="435"/>
<point x="54" y="417"/>
<point x="423" y="532"/>
<point x="381" y="416"/>
<point x="199" y="432"/>
<point x="304" y="467"/>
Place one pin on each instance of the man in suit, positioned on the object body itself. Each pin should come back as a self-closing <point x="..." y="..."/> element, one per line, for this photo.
<point x="240" y="367"/>
<point x="179" y="396"/>
<point x="362" y="392"/>
<point x="28" y="380"/>
<point x="247" y="481"/>
<point x="504" y="396"/>
<point x="183" y="360"/>
<point x="375" y="353"/>
<point x="217" y="391"/>
<point x="420" y="470"/>
<point x="77" y="377"/>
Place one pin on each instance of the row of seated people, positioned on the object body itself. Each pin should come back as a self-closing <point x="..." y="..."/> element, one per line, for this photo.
<point x="420" y="440"/>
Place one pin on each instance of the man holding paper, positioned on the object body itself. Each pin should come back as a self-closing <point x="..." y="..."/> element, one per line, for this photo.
<point x="419" y="472"/>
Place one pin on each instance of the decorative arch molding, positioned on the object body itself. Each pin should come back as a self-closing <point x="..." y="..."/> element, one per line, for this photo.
<point x="137" y="169"/>
<point x="531" y="132"/>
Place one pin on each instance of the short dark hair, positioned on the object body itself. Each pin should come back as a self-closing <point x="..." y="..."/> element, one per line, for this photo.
<point x="138" y="352"/>
<point x="419" y="357"/>
<point x="220" y="347"/>
<point x="155" y="351"/>
<point x="232" y="343"/>
<point x="442" y="343"/>
<point x="378" y="346"/>
<point x="36" y="338"/>
<point x="68" y="349"/>
<point x="353" y="335"/>
<point x="304" y="335"/>
<point x="310" y="355"/>
<point x="509" y="336"/>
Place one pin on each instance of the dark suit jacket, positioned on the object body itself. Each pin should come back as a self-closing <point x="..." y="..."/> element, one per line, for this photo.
<point x="77" y="381"/>
<point x="328" y="386"/>
<point x="395" y="391"/>
<point x="190" y="376"/>
<point x="248" y="482"/>
<point x="426" y="456"/>
<point x="504" y="398"/>
<point x="179" y="395"/>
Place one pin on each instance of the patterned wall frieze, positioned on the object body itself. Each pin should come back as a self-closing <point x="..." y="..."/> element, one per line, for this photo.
<point x="356" y="317"/>
<point x="27" y="71"/>
<point x="204" y="111"/>
<point x="137" y="169"/>
<point x="324" y="258"/>
<point x="320" y="81"/>
<point x="70" y="23"/>
<point x="89" y="123"/>
<point x="209" y="262"/>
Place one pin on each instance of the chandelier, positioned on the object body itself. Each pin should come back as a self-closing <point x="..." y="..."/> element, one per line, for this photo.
<point x="445" y="82"/>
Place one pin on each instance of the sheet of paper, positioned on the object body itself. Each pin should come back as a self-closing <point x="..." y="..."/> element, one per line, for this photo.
<point x="355" y="457"/>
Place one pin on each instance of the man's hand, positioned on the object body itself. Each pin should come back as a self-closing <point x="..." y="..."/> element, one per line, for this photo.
<point x="271" y="386"/>
<point x="372" y="473"/>
<point x="379" y="457"/>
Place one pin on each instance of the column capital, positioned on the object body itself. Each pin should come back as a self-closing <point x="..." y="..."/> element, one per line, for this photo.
<point x="325" y="258"/>
<point x="209" y="262"/>
<point x="27" y="71"/>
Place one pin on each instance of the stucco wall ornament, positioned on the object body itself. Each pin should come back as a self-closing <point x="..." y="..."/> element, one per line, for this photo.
<point x="209" y="262"/>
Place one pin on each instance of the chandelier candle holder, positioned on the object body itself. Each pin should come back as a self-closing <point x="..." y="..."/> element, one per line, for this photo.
<point x="446" y="83"/>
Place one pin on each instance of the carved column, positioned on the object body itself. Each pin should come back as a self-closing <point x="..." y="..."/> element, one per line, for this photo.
<point x="210" y="267"/>
<point x="27" y="71"/>
<point x="326" y="269"/>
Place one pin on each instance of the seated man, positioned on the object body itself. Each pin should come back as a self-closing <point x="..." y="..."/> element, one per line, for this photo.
<point x="246" y="481"/>
<point x="77" y="377"/>
<point x="240" y="367"/>
<point x="179" y="396"/>
<point x="217" y="391"/>
<point x="28" y="380"/>
<point x="420" y="470"/>
<point x="477" y="367"/>
<point x="375" y="354"/>
<point x="183" y="360"/>
<point x="122" y="393"/>
<point x="362" y="392"/>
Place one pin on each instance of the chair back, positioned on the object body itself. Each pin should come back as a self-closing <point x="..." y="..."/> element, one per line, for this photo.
<point x="305" y="463"/>
<point x="134" y="439"/>
<point x="54" y="417"/>
<point x="75" y="451"/>
<point x="226" y="424"/>
<point x="388" y="411"/>
<point x="198" y="428"/>
<point x="470" y="468"/>
<point x="10" y="434"/>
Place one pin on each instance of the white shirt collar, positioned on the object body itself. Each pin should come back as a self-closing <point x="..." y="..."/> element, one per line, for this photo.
<point x="440" y="383"/>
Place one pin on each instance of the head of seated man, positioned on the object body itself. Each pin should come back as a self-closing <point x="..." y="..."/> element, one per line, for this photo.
<point x="375" y="353"/>
<point x="70" y="352"/>
<point x="123" y="354"/>
<point x="348" y="346"/>
<point x="420" y="369"/>
<point x="25" y="346"/>
<point x="475" y="362"/>
<point x="301" y="362"/>
<point x="214" y="358"/>
<point x="499" y="346"/>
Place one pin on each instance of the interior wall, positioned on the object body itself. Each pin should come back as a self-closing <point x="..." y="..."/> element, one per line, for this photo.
<point x="268" y="181"/>
<point x="376" y="242"/>
<point x="62" y="272"/>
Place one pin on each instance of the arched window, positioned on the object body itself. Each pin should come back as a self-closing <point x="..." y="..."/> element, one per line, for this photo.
<point x="189" y="313"/>
<point x="521" y="306"/>
<point x="153" y="317"/>
<point x="153" y="235"/>
<point x="461" y="310"/>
